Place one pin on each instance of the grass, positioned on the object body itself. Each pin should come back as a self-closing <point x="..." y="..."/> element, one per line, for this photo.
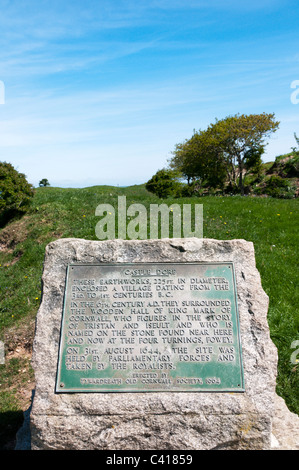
<point x="271" y="224"/>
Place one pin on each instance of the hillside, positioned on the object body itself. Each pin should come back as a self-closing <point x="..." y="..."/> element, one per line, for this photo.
<point x="270" y="223"/>
<point x="274" y="179"/>
<point x="279" y="178"/>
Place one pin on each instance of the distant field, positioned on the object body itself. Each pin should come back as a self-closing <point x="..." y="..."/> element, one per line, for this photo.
<point x="271" y="224"/>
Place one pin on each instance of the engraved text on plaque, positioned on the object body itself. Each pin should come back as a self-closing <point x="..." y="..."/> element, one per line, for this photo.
<point x="150" y="327"/>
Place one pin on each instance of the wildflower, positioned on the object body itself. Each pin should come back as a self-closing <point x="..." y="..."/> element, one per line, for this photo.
<point x="278" y="214"/>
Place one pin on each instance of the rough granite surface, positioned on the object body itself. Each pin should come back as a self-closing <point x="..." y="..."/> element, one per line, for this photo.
<point x="160" y="420"/>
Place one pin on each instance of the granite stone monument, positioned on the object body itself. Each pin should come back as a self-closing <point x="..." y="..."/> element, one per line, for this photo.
<point x="153" y="344"/>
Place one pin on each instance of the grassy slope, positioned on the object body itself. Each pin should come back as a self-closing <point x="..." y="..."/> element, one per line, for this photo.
<point x="271" y="224"/>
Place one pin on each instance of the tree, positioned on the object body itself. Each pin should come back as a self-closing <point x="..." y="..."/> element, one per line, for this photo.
<point x="197" y="159"/>
<point x="253" y="160"/>
<point x="187" y="159"/>
<point x="44" y="182"/>
<point x="225" y="148"/>
<point x="236" y="135"/>
<point x="15" y="192"/>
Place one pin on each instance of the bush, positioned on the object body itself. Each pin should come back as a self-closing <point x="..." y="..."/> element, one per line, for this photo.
<point x="292" y="167"/>
<point x="15" y="192"/>
<point x="164" y="184"/>
<point x="276" y="186"/>
<point x="287" y="166"/>
<point x="231" y="189"/>
<point x="192" y="189"/>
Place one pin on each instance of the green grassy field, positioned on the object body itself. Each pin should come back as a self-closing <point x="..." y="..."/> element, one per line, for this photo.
<point x="271" y="224"/>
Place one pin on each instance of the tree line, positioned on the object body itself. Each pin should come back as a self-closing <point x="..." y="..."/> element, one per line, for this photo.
<point x="219" y="156"/>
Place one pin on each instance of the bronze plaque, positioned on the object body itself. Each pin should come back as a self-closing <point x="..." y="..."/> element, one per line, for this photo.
<point x="150" y="327"/>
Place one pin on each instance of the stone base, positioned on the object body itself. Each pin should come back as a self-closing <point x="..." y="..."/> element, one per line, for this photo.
<point x="285" y="427"/>
<point x="159" y="420"/>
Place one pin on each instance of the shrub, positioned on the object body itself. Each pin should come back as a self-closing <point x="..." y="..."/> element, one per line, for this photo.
<point x="292" y="167"/>
<point x="15" y="192"/>
<point x="192" y="189"/>
<point x="276" y="186"/>
<point x="164" y="184"/>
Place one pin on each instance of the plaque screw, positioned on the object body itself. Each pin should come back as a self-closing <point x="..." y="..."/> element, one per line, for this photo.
<point x="62" y="385"/>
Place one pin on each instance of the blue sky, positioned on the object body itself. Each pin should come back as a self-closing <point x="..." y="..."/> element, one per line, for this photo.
<point x="99" y="92"/>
